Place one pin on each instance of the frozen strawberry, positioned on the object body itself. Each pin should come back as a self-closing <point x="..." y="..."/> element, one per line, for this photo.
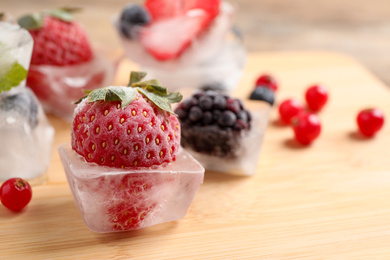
<point x="128" y="127"/>
<point x="175" y="24"/>
<point x="123" y="127"/>
<point x="134" y="206"/>
<point x="58" y="40"/>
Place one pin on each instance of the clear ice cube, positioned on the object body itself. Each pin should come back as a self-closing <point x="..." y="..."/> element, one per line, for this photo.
<point x="26" y="136"/>
<point x="58" y="87"/>
<point x="217" y="57"/>
<point x="112" y="200"/>
<point x="246" y="155"/>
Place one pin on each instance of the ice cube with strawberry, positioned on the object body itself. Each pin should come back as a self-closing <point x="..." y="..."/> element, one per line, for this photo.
<point x="125" y="165"/>
<point x="63" y="62"/>
<point x="192" y="38"/>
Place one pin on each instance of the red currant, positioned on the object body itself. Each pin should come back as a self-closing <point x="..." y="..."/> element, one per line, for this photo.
<point x="267" y="81"/>
<point x="316" y="97"/>
<point x="288" y="109"/>
<point x="15" y="194"/>
<point x="370" y="121"/>
<point x="307" y="127"/>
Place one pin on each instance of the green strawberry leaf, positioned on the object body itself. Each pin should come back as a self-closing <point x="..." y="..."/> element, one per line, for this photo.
<point x="64" y="13"/>
<point x="158" y="100"/>
<point x="60" y="14"/>
<point x="31" y="21"/>
<point x="113" y="93"/>
<point x="150" y="88"/>
<point x="13" y="77"/>
<point x="136" y="76"/>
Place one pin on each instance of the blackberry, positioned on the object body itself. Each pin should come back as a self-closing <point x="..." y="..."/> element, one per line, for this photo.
<point x="131" y="18"/>
<point x="24" y="104"/>
<point x="213" y="123"/>
<point x="264" y="94"/>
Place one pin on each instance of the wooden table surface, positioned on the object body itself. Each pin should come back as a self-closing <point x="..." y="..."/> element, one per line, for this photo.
<point x="330" y="200"/>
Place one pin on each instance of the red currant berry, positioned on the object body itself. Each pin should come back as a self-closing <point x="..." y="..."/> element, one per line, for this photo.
<point x="267" y="81"/>
<point x="316" y="97"/>
<point x="307" y="127"/>
<point x="370" y="121"/>
<point x="288" y="109"/>
<point x="15" y="194"/>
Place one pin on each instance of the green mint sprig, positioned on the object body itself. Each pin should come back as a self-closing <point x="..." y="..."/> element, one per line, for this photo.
<point x="13" y="77"/>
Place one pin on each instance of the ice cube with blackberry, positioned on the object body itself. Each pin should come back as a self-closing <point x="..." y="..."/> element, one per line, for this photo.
<point x="222" y="132"/>
<point x="26" y="136"/>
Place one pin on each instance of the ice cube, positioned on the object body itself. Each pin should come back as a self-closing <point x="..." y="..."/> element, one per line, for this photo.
<point x="111" y="199"/>
<point x="58" y="87"/>
<point x="16" y="45"/>
<point x="26" y="137"/>
<point x="243" y="158"/>
<point x="217" y="56"/>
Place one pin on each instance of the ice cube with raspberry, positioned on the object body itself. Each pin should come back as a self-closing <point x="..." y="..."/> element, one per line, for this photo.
<point x="63" y="62"/>
<point x="194" y="39"/>
<point x="221" y="132"/>
<point x="125" y="165"/>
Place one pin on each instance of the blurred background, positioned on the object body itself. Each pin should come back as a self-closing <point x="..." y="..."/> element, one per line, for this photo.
<point x="360" y="28"/>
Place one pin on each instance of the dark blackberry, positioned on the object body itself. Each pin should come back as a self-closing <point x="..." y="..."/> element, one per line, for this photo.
<point x="195" y="114"/>
<point x="240" y="125"/>
<point x="207" y="118"/>
<point x="23" y="103"/>
<point x="232" y="105"/>
<point x="211" y="140"/>
<point x="188" y="103"/>
<point x="263" y="93"/>
<point x="228" y="118"/>
<point x="131" y="18"/>
<point x="181" y="113"/>
<point x="205" y="102"/>
<point x="243" y="115"/>
<point x="219" y="102"/>
<point x="216" y="115"/>
<point x="213" y="123"/>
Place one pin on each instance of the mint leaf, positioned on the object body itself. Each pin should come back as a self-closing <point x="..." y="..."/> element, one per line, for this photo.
<point x="13" y="77"/>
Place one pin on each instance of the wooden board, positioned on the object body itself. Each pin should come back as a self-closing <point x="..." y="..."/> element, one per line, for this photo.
<point x="329" y="200"/>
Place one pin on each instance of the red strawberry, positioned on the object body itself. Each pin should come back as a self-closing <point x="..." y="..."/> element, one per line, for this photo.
<point x="129" y="212"/>
<point x="57" y="39"/>
<point x="116" y="134"/>
<point x="128" y="127"/>
<point x="175" y="24"/>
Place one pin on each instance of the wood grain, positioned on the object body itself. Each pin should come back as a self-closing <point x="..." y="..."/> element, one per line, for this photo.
<point x="326" y="201"/>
